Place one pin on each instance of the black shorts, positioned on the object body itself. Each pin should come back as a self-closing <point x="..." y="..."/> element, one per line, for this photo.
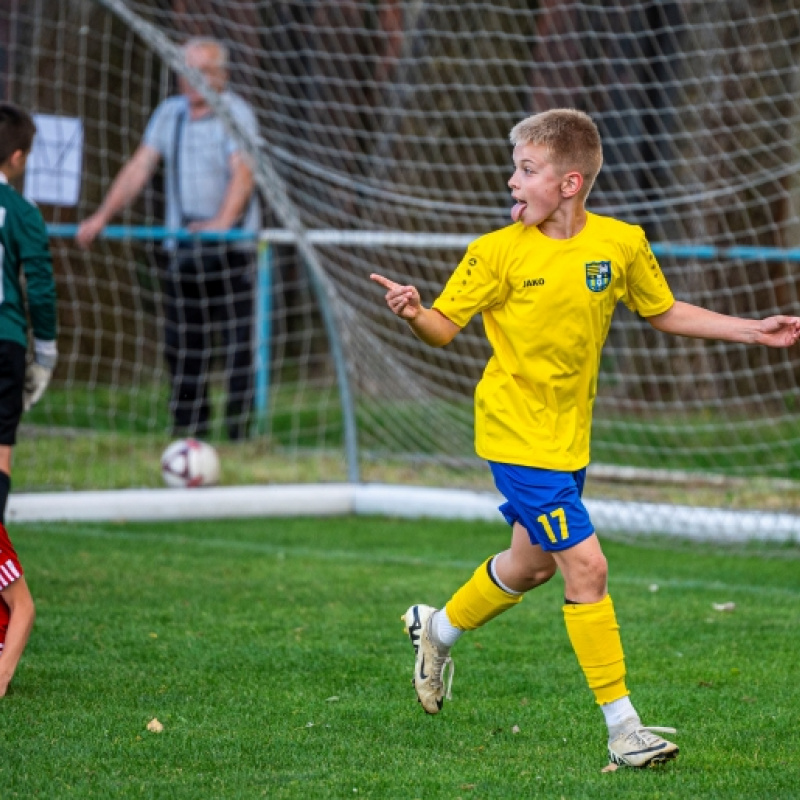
<point x="12" y="384"/>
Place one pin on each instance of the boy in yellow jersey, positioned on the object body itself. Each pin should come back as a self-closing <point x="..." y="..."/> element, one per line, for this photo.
<point x="547" y="286"/>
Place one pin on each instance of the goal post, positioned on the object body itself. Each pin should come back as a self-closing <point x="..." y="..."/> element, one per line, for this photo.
<point x="383" y="146"/>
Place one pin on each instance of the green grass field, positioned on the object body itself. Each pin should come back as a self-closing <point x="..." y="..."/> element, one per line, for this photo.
<point x="273" y="653"/>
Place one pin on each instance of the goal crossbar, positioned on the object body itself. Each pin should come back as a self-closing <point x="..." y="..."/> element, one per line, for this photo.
<point x="403" y="239"/>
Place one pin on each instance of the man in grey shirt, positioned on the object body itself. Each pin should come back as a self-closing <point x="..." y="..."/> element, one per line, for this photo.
<point x="208" y="286"/>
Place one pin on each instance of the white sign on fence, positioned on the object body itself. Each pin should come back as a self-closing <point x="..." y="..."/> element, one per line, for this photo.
<point x="53" y="173"/>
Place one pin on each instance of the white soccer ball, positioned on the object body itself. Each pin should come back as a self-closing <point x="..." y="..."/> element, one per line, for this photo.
<point x="188" y="463"/>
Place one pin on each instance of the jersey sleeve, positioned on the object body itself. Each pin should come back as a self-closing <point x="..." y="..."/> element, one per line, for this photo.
<point x="10" y="571"/>
<point x="647" y="291"/>
<point x="37" y="264"/>
<point x="10" y="568"/>
<point x="474" y="286"/>
<point x="160" y="130"/>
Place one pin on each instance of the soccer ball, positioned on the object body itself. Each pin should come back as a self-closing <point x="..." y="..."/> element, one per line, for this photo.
<point x="190" y="462"/>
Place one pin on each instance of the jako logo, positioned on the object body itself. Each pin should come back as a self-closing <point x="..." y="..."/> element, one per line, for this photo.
<point x="533" y="282"/>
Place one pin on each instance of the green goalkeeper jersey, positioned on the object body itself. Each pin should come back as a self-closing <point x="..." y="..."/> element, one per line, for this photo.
<point x="24" y="249"/>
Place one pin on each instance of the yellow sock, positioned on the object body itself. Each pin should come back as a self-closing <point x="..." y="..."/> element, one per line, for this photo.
<point x="594" y="633"/>
<point x="479" y="600"/>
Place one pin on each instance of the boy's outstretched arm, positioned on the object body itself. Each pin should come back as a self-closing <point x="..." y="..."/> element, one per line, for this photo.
<point x="18" y="598"/>
<point x="685" y="319"/>
<point x="428" y="324"/>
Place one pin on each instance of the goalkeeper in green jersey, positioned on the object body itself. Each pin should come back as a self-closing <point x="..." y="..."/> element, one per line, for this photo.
<point x="24" y="250"/>
<point x="547" y="286"/>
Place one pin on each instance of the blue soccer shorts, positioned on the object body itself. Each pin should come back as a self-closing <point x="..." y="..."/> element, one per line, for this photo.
<point x="546" y="502"/>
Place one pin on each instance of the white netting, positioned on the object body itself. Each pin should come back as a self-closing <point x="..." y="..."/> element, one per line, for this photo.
<point x="392" y="116"/>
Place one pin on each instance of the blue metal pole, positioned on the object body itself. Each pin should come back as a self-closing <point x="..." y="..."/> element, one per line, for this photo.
<point x="703" y="252"/>
<point x="263" y="323"/>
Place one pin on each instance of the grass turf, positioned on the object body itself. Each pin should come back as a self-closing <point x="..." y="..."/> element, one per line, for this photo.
<point x="272" y="652"/>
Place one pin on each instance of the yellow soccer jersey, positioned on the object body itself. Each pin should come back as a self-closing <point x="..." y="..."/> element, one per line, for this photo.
<point x="547" y="306"/>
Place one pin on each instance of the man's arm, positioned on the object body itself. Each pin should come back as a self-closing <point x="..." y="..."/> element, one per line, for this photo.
<point x="22" y="612"/>
<point x="125" y="188"/>
<point x="237" y="196"/>
<point x="685" y="319"/>
<point x="428" y="324"/>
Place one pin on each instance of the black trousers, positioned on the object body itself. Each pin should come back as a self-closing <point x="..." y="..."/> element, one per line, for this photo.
<point x="209" y="303"/>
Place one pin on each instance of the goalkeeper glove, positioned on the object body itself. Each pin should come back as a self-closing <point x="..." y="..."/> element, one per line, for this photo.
<point x="38" y="372"/>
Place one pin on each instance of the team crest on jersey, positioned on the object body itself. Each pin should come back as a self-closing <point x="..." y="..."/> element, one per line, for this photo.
<point x="598" y="275"/>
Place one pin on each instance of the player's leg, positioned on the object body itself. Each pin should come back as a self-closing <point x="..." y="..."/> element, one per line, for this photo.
<point x="594" y="633"/>
<point x="550" y="507"/>
<point x="500" y="582"/>
<point x="12" y="382"/>
<point x="5" y="479"/>
<point x="496" y="586"/>
<point x="175" y="351"/>
<point x="524" y="566"/>
<point x="194" y="341"/>
<point x="238" y="311"/>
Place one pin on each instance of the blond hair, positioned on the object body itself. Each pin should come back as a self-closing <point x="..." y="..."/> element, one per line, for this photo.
<point x="570" y="137"/>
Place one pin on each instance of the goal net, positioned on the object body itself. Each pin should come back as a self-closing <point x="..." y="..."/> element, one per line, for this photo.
<point x="383" y="146"/>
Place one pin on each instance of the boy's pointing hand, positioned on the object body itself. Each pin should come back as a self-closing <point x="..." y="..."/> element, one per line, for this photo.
<point x="403" y="301"/>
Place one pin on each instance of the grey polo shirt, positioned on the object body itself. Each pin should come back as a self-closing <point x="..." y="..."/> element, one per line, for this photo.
<point x="196" y="184"/>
